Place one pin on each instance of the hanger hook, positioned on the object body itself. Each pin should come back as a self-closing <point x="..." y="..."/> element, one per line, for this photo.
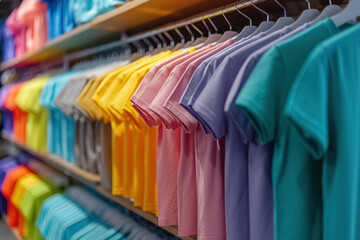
<point x="206" y="26"/>
<point x="162" y="39"/>
<point x="180" y="34"/>
<point x="148" y="44"/>
<point x="278" y="3"/>
<point x="190" y="32"/>
<point x="267" y="15"/>
<point x="212" y="23"/>
<point x="330" y="2"/>
<point x="197" y="29"/>
<point x="243" y="14"/>
<point x="226" y="19"/>
<point x="158" y="43"/>
<point x="172" y="41"/>
<point x="308" y="2"/>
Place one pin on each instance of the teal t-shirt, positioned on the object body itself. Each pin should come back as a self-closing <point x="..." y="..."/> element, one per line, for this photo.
<point x="295" y="178"/>
<point x="324" y="108"/>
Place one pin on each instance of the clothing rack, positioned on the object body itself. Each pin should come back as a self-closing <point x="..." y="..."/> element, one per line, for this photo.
<point x="216" y="12"/>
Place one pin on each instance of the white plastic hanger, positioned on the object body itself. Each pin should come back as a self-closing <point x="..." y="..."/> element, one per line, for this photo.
<point x="306" y="16"/>
<point x="227" y="34"/>
<point x="266" y="25"/>
<point x="281" y="22"/>
<point x="351" y="12"/>
<point x="247" y="30"/>
<point x="329" y="11"/>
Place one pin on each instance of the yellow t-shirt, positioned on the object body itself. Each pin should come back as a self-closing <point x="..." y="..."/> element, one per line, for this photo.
<point x="22" y="185"/>
<point x="135" y="136"/>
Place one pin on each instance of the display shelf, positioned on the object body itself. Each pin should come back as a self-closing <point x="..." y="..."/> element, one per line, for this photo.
<point x="90" y="180"/>
<point x="15" y="231"/>
<point x="133" y="16"/>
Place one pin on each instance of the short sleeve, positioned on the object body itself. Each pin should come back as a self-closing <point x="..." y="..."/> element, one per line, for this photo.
<point x="261" y="97"/>
<point x="210" y="104"/>
<point x="307" y="105"/>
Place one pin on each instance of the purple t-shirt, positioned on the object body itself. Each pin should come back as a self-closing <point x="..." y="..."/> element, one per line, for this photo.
<point x="203" y="73"/>
<point x="260" y="156"/>
<point x="6" y="165"/>
<point x="6" y="114"/>
<point x="209" y="106"/>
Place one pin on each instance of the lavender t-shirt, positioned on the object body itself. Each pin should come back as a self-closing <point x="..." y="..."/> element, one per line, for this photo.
<point x="260" y="156"/>
<point x="209" y="106"/>
<point x="203" y="73"/>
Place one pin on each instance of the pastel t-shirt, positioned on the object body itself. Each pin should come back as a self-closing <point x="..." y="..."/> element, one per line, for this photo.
<point x="209" y="107"/>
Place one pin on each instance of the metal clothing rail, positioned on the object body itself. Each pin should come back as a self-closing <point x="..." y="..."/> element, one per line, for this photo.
<point x="90" y="51"/>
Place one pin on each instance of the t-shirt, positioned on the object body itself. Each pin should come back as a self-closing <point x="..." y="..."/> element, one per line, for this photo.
<point x="32" y="13"/>
<point x="322" y="109"/>
<point x="8" y="44"/>
<point x="37" y="116"/>
<point x="60" y="129"/>
<point x="209" y="107"/>
<point x="19" y="116"/>
<point x="262" y="99"/>
<point x="260" y="156"/>
<point x="30" y="205"/>
<point x="6" y="165"/>
<point x="7" y="116"/>
<point x="18" y="30"/>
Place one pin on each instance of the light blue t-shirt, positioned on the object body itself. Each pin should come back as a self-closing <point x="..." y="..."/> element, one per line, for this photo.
<point x="60" y="131"/>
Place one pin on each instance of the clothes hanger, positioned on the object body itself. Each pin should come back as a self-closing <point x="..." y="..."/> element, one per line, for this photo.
<point x="195" y="41"/>
<point x="329" y="11"/>
<point x="192" y="37"/>
<point x="227" y="34"/>
<point x="306" y="16"/>
<point x="281" y="22"/>
<point x="171" y="39"/>
<point x="211" y="37"/>
<point x="351" y="12"/>
<point x="264" y="25"/>
<point x="181" y="44"/>
<point x="201" y="39"/>
<point x="247" y="30"/>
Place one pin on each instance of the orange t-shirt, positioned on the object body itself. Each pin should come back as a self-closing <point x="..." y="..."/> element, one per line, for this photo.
<point x="14" y="217"/>
<point x="19" y="116"/>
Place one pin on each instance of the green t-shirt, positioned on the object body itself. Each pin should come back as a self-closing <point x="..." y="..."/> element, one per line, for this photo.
<point x="324" y="108"/>
<point x="297" y="216"/>
<point x="31" y="203"/>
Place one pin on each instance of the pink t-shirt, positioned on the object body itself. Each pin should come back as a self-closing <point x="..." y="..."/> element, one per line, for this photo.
<point x="210" y="160"/>
<point x="157" y="104"/>
<point x="144" y="100"/>
<point x="189" y="123"/>
<point x="189" y="206"/>
<point x="19" y="32"/>
<point x="168" y="148"/>
<point x="32" y="13"/>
